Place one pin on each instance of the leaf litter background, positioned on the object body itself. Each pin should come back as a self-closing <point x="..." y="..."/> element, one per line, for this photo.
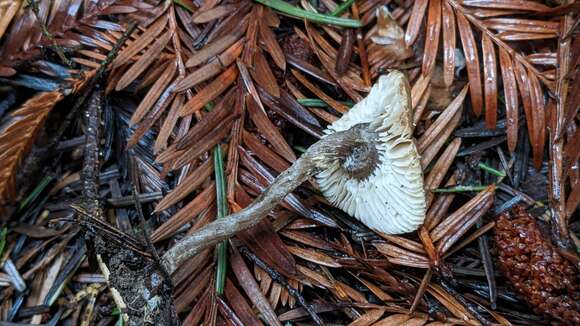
<point x="496" y="120"/>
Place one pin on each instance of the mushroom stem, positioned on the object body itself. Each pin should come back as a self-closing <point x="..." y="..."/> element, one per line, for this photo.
<point x="315" y="158"/>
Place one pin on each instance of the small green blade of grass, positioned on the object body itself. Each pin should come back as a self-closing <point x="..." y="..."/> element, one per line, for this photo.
<point x="491" y="170"/>
<point x="183" y="5"/>
<point x="222" y="211"/>
<point x="461" y="189"/>
<point x="314" y="102"/>
<point x="3" y="241"/>
<point x="117" y="312"/>
<point x="35" y="193"/>
<point x="300" y="149"/>
<point x="292" y="11"/>
<point x="342" y="8"/>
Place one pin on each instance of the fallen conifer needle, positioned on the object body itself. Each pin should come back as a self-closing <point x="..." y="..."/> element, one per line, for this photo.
<point x="342" y="8"/>
<point x="491" y="170"/>
<point x="315" y="102"/>
<point x="461" y="189"/>
<point x="292" y="11"/>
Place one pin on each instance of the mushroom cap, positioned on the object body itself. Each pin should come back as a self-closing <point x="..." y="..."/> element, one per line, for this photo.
<point x="390" y="198"/>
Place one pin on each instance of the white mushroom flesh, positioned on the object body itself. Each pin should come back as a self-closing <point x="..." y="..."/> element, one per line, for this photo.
<point x="391" y="199"/>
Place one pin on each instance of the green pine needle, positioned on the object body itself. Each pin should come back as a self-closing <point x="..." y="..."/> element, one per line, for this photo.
<point x="314" y="102"/>
<point x="342" y="8"/>
<point x="292" y="11"/>
<point x="461" y="189"/>
<point x="183" y="5"/>
<point x="491" y="170"/>
<point x="35" y="193"/>
<point x="222" y="211"/>
<point x="2" y="241"/>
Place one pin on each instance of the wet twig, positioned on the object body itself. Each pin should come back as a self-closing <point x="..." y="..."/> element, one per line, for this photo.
<point x="488" y="266"/>
<point x="58" y="49"/>
<point x="108" y="232"/>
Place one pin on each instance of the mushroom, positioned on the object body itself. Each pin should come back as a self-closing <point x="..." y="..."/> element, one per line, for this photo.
<point x="378" y="180"/>
<point x="366" y="164"/>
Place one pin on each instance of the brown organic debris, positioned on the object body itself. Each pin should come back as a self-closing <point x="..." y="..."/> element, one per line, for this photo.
<point x="547" y="280"/>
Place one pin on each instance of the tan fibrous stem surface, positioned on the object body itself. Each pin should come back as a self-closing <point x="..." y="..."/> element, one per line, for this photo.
<point x="343" y="146"/>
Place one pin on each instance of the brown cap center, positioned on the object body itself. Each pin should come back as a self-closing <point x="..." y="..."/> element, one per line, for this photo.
<point x="360" y="159"/>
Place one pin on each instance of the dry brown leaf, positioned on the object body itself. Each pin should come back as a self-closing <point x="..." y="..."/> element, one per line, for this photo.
<point x="152" y="116"/>
<point x="209" y="121"/>
<point x="319" y="93"/>
<point x="393" y="320"/>
<point x="263" y="75"/>
<point x="345" y="85"/>
<point x="7" y="13"/>
<point x="272" y="46"/>
<point x="18" y="136"/>
<point x="314" y="256"/>
<point x="458" y="217"/>
<point x="210" y="92"/>
<point x="489" y="81"/>
<point x="140" y="43"/>
<point x="456" y="308"/>
<point x="265" y="243"/>
<point x="275" y="295"/>
<point x="204" y="16"/>
<point x="432" y="36"/>
<point x="368" y="318"/>
<point x="213" y="49"/>
<point x="154" y="93"/>
<point x="429" y="154"/>
<point x="472" y="63"/>
<point x="150" y="55"/>
<point x="510" y="90"/>
<point x="417" y="321"/>
<point x="344" y="54"/>
<point x="208" y="141"/>
<point x="507" y="4"/>
<point x="524" y="87"/>
<point x="435" y="129"/>
<point x="19" y="133"/>
<point x="419" y="88"/>
<point x="382" y="295"/>
<point x="315" y="278"/>
<point x="212" y="68"/>
<point x="404" y="242"/>
<point x="414" y="25"/>
<point x="459" y="229"/>
<point x="351" y="293"/>
<point x="449" y="40"/>
<point x="538" y="120"/>
<point x="248" y="283"/>
<point x="269" y="131"/>
<point x="265" y="154"/>
<point x="196" y="287"/>
<point x="389" y="38"/>
<point x="187" y="186"/>
<point x="185" y="214"/>
<point x="400" y="256"/>
<point x="439" y="170"/>
<point x="306" y="239"/>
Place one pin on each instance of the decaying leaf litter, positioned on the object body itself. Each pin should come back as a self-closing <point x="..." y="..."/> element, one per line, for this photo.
<point x="110" y="159"/>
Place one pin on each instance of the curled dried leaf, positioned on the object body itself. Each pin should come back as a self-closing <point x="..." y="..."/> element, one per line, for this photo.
<point x="391" y="36"/>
